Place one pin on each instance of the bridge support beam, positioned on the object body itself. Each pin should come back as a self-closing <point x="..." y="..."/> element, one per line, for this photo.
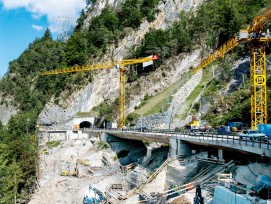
<point x="105" y="137"/>
<point x="179" y="147"/>
<point x="148" y="154"/>
<point x="220" y="154"/>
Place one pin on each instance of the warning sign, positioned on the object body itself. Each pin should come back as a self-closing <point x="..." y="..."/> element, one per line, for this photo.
<point x="259" y="79"/>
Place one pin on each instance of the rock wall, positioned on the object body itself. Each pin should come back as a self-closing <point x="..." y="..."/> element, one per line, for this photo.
<point x="169" y="12"/>
<point x="248" y="174"/>
<point x="106" y="82"/>
<point x="178" y="174"/>
<point x="175" y="68"/>
<point x="6" y="111"/>
<point x="61" y="116"/>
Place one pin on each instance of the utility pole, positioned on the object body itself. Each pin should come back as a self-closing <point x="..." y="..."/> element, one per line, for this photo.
<point x="141" y="123"/>
<point x="244" y="81"/>
<point x="15" y="191"/>
<point x="27" y="121"/>
<point x="213" y="71"/>
<point x="171" y="117"/>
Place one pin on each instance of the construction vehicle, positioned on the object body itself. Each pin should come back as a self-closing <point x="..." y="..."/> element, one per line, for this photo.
<point x="236" y="126"/>
<point x="76" y="127"/>
<point x="121" y="65"/>
<point x="85" y="162"/>
<point x="69" y="173"/>
<point x="45" y="151"/>
<point x="257" y="40"/>
<point x="93" y="196"/>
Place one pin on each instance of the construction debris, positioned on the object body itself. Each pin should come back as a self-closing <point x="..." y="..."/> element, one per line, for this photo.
<point x="166" y="181"/>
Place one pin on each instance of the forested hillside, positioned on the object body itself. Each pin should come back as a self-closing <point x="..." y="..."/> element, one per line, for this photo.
<point x="210" y="26"/>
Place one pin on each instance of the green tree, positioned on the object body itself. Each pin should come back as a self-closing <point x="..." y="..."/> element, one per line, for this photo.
<point x="130" y="13"/>
<point x="47" y="35"/>
<point x="76" y="49"/>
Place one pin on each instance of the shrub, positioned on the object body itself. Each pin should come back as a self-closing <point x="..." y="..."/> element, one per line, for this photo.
<point x="103" y="145"/>
<point x="53" y="144"/>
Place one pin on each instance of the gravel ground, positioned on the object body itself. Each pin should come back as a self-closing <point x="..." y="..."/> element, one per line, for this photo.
<point x="54" y="188"/>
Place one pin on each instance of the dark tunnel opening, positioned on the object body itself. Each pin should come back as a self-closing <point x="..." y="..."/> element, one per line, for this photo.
<point x="85" y="124"/>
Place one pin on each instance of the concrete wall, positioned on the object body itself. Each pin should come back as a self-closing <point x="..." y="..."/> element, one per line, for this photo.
<point x="45" y="137"/>
<point x="49" y="136"/>
<point x="76" y="135"/>
<point x="178" y="174"/>
<point x="179" y="147"/>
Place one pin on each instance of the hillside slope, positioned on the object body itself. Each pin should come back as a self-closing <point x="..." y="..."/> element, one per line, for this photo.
<point x="128" y="29"/>
<point x="105" y="85"/>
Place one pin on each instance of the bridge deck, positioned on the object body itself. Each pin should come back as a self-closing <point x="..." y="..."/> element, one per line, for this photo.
<point x="222" y="141"/>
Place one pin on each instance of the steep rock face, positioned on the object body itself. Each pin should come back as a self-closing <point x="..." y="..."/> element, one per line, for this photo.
<point x="106" y="82"/>
<point x="156" y="82"/>
<point x="98" y="7"/>
<point x="169" y="12"/>
<point x="6" y="111"/>
<point x="62" y="116"/>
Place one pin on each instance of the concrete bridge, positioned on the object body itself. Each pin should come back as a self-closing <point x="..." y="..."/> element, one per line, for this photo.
<point x="180" y="143"/>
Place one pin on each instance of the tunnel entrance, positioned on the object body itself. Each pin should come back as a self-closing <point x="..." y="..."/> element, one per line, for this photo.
<point x="85" y="124"/>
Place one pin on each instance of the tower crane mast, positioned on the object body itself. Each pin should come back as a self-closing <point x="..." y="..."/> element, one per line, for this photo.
<point x="257" y="42"/>
<point x="121" y="65"/>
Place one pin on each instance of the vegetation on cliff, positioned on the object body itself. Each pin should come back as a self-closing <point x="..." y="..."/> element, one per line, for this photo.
<point x="18" y="158"/>
<point x="213" y="23"/>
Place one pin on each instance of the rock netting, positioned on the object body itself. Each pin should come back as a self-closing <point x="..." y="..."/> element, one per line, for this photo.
<point x="163" y="121"/>
<point x="155" y="121"/>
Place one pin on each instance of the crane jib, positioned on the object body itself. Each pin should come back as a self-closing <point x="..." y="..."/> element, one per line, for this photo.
<point x="257" y="41"/>
<point x="121" y="65"/>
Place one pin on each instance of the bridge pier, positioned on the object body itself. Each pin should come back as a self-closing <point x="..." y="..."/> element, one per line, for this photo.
<point x="148" y="154"/>
<point x="179" y="147"/>
<point x="220" y="154"/>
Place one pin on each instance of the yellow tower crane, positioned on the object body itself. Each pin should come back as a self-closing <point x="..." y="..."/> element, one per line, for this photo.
<point x="257" y="40"/>
<point x="121" y="65"/>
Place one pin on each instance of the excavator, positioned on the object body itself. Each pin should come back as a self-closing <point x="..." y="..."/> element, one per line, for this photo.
<point x="257" y="39"/>
<point x="94" y="196"/>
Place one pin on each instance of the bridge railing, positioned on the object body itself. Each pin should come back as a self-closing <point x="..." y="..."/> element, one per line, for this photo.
<point x="230" y="138"/>
<point x="210" y="136"/>
<point x="214" y="137"/>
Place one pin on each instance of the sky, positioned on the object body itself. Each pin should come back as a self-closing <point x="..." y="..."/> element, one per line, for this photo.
<point x="22" y="21"/>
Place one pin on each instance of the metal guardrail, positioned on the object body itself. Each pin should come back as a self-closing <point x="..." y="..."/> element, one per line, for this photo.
<point x="210" y="136"/>
<point x="213" y="136"/>
<point x="233" y="138"/>
<point x="263" y="143"/>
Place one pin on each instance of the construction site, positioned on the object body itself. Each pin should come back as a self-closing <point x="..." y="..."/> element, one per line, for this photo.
<point x="124" y="171"/>
<point x="128" y="110"/>
<point x="135" y="169"/>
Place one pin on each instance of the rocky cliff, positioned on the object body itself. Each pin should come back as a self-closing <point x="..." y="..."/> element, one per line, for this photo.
<point x="6" y="110"/>
<point x="106" y="82"/>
